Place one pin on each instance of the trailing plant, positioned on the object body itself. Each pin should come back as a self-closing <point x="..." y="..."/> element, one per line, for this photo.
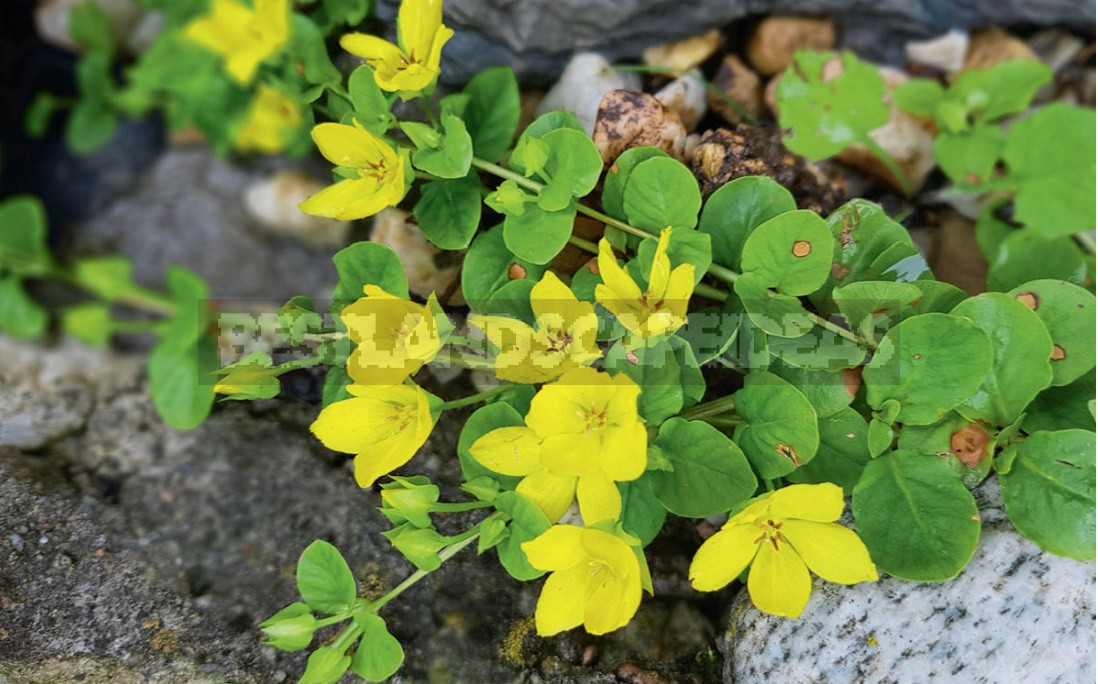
<point x="734" y="357"/>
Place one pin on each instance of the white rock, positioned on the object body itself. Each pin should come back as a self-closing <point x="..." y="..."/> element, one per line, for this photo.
<point x="428" y="268"/>
<point x="1014" y="614"/>
<point x="273" y="203"/>
<point x="946" y="52"/>
<point x="585" y="80"/>
<point x="51" y="18"/>
<point x="686" y="96"/>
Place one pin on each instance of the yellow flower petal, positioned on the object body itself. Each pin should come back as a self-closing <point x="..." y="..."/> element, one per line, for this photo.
<point x="552" y="494"/>
<point x="272" y="117"/>
<point x="350" y="145"/>
<point x="622" y="407"/>
<point x="557" y="548"/>
<point x="660" y="272"/>
<point x="722" y="557"/>
<point x="562" y="602"/>
<point x="820" y="502"/>
<point x="417" y="23"/>
<point x="599" y="498"/>
<point x="624" y="452"/>
<point x="616" y="279"/>
<point x="371" y="48"/>
<point x="680" y="286"/>
<point x="832" y="551"/>
<point x="434" y="58"/>
<point x="615" y="590"/>
<point x="572" y="455"/>
<point x="509" y="451"/>
<point x="354" y="425"/>
<point x="348" y="200"/>
<point x="609" y="549"/>
<point x="779" y="583"/>
<point x="371" y="465"/>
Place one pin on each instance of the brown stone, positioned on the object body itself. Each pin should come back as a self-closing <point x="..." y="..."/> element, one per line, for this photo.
<point x="627" y="119"/>
<point x="993" y="46"/>
<point x="740" y="84"/>
<point x="777" y="38"/>
<point x="724" y="155"/>
<point x="684" y="54"/>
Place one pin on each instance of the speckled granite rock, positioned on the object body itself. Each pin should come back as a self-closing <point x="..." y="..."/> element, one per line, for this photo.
<point x="189" y="210"/>
<point x="537" y="36"/>
<point x="1015" y="614"/>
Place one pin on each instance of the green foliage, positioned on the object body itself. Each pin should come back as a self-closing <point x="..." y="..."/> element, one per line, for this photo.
<point x="492" y="111"/>
<point x="324" y="579"/>
<point x="709" y="473"/>
<point x="661" y="192"/>
<point x="780" y="431"/>
<point x="917" y="519"/>
<point x="1048" y="490"/>
<point x="735" y="210"/>
<point x="828" y="114"/>
<point x="790" y="252"/>
<point x="367" y="263"/>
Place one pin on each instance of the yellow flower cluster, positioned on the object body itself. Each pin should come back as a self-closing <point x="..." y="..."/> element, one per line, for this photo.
<point x="242" y="35"/>
<point x="413" y="65"/>
<point x="386" y="422"/>
<point x="658" y="309"/>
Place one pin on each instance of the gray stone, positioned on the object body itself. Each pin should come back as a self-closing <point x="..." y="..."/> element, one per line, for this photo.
<point x="537" y="36"/>
<point x="1015" y="614"/>
<point x="189" y="210"/>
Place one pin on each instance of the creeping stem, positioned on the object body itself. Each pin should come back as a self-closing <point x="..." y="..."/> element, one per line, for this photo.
<point x="468" y="537"/>
<point x="725" y="275"/>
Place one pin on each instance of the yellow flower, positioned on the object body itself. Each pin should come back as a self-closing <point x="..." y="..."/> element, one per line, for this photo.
<point x="394" y="337"/>
<point x="413" y="65"/>
<point x="595" y="580"/>
<point x="272" y="118"/>
<point x="243" y="36"/>
<point x="563" y="339"/>
<point x="659" y="309"/>
<point x="380" y="169"/>
<point x="385" y="425"/>
<point x="782" y="536"/>
<point x="516" y="451"/>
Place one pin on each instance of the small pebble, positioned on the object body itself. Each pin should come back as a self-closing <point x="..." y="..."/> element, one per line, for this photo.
<point x="16" y="542"/>
<point x="683" y="54"/>
<point x="777" y="38"/>
<point x="946" y="52"/>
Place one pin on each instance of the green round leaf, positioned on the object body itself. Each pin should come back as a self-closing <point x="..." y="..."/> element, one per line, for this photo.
<point x="656" y="370"/>
<point x="23" y="230"/>
<point x="780" y="432"/>
<point x="489" y="265"/>
<point x="642" y="514"/>
<point x="448" y="211"/>
<point x="1024" y="255"/>
<point x="873" y="306"/>
<point x="1020" y="365"/>
<point x="452" y="156"/>
<point x="661" y="192"/>
<point x="1048" y="491"/>
<point x="324" y="580"/>
<point x="368" y="263"/>
<point x="1068" y="312"/>
<point x="710" y="476"/>
<point x="916" y="518"/>
<point x="181" y="381"/>
<point x="736" y="209"/>
<point x="791" y="252"/>
<point x="88" y="322"/>
<point x="371" y="107"/>
<point x="828" y="391"/>
<point x="326" y="665"/>
<point x="776" y="314"/>
<point x="572" y="168"/>
<point x="379" y="654"/>
<point x="492" y="113"/>
<point x="930" y="364"/>
<point x="538" y="235"/>
<point x="843" y="452"/>
<point x="617" y="176"/>
<point x="91" y="125"/>
<point x="20" y="316"/>
<point x="827" y="116"/>
<point x="1062" y="408"/>
<point x="1050" y="161"/>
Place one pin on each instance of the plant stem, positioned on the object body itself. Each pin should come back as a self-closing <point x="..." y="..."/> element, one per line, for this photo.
<point x="416" y="576"/>
<point x="473" y="398"/>
<point x="877" y="151"/>
<point x="710" y="408"/>
<point x="298" y="364"/>
<point x="455" y="358"/>
<point x="1085" y="239"/>
<point x="347" y="637"/>
<point x="428" y="112"/>
<point x="725" y="275"/>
